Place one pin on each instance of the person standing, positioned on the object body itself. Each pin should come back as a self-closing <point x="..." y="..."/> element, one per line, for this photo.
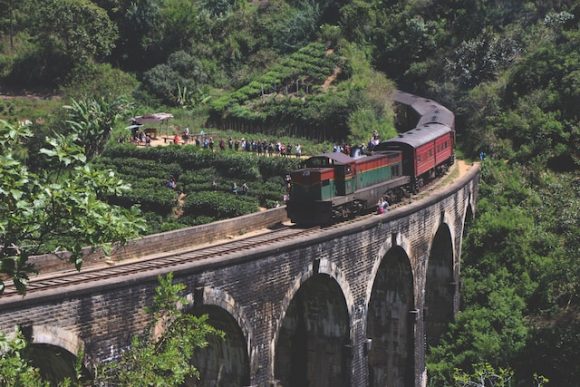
<point x="298" y="151"/>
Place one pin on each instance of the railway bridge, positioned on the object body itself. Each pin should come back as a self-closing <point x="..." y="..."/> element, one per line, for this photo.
<point x="355" y="304"/>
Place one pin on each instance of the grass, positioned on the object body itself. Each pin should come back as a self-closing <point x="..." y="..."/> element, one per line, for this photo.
<point x="31" y="108"/>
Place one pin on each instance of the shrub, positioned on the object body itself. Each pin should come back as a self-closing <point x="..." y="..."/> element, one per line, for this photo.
<point x="98" y="80"/>
<point x="219" y="204"/>
<point x="159" y="200"/>
<point x="276" y="166"/>
<point x="196" y="220"/>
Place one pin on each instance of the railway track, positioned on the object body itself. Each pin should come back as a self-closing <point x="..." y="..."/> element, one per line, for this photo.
<point x="63" y="279"/>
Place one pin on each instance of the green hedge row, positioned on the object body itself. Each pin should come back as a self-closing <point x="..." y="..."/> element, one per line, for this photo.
<point x="220" y="205"/>
<point x="235" y="164"/>
<point x="137" y="167"/>
<point x="160" y="200"/>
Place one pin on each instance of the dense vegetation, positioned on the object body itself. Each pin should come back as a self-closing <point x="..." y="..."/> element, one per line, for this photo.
<point x="509" y="69"/>
<point x="41" y="211"/>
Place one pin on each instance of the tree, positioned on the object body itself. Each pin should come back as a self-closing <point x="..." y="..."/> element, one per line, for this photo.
<point x="58" y="208"/>
<point x="79" y="28"/>
<point x="7" y="19"/>
<point x="92" y="121"/>
<point x="14" y="369"/>
<point x="485" y="375"/>
<point x="162" y="360"/>
<point x="480" y="59"/>
<point x="295" y="27"/>
<point x="140" y="26"/>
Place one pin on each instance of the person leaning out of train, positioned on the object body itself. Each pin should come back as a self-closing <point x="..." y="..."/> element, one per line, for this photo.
<point x="382" y="206"/>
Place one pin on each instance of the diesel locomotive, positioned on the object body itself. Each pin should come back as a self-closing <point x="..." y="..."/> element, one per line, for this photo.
<point x="334" y="186"/>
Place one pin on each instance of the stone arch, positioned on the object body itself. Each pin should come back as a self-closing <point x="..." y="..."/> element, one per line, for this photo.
<point x="223" y="362"/>
<point x="391" y="315"/>
<point x="57" y="337"/>
<point x="440" y="284"/>
<point x="396" y="239"/>
<point x="54" y="351"/>
<point x="225" y="301"/>
<point x="468" y="218"/>
<point x="312" y="343"/>
<point x="323" y="266"/>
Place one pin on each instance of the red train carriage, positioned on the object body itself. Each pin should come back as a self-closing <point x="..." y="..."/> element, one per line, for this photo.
<point x="427" y="151"/>
<point x="333" y="185"/>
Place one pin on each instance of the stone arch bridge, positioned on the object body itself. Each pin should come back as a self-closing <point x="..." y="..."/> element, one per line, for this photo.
<point x="354" y="305"/>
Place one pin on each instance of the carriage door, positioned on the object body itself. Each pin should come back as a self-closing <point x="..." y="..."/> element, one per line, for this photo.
<point x="345" y="181"/>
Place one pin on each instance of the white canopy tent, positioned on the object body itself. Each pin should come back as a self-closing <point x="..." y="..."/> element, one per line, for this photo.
<point x="155" y="119"/>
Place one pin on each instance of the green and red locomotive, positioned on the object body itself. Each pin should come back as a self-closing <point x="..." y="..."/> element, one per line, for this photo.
<point x="335" y="186"/>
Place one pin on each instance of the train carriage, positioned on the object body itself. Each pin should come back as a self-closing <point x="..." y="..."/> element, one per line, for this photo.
<point x="427" y="151"/>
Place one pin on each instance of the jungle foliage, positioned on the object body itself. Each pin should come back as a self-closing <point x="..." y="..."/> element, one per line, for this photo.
<point x="162" y="360"/>
<point x="57" y="208"/>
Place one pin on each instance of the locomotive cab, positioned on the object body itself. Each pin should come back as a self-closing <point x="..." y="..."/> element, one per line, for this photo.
<point x="334" y="185"/>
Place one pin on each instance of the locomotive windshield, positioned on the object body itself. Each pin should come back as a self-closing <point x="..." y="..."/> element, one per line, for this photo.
<point x="317" y="162"/>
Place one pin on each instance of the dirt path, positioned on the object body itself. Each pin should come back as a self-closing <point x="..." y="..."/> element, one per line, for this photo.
<point x="463" y="167"/>
<point x="178" y="209"/>
<point x="328" y="81"/>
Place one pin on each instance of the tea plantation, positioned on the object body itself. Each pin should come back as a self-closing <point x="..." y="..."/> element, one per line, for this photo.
<point x="204" y="180"/>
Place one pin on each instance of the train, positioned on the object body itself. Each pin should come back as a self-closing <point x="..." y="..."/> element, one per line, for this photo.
<point x="334" y="186"/>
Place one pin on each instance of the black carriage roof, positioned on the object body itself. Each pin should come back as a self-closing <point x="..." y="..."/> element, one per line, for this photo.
<point x="341" y="158"/>
<point x="418" y="136"/>
<point x="429" y="110"/>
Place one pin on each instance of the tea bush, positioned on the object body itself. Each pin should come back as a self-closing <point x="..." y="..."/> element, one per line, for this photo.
<point x="219" y="204"/>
